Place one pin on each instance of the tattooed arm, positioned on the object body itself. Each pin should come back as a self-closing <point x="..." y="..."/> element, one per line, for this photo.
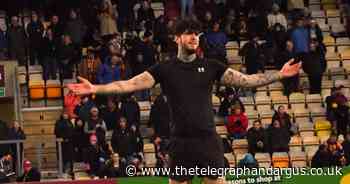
<point x="232" y="77"/>
<point x="137" y="83"/>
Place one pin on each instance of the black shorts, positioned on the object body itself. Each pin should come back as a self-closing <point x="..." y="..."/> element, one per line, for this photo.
<point x="200" y="152"/>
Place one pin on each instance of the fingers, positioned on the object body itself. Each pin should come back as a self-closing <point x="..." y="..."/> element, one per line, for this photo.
<point x="290" y="61"/>
<point x="83" y="80"/>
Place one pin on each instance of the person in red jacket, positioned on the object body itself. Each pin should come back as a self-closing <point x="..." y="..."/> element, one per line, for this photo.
<point x="237" y="123"/>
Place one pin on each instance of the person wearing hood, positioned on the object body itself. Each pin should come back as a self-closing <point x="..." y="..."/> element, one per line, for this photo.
<point x="109" y="71"/>
<point x="80" y="139"/>
<point x="75" y="28"/>
<point x="64" y="129"/>
<point x="216" y="43"/>
<point x="314" y="65"/>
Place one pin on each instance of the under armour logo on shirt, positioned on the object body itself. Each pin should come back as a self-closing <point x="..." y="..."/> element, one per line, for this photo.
<point x="201" y="69"/>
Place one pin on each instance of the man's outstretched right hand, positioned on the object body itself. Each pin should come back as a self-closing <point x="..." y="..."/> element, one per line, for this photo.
<point x="83" y="88"/>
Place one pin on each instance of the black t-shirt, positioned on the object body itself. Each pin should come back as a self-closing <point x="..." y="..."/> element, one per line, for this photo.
<point x="188" y="87"/>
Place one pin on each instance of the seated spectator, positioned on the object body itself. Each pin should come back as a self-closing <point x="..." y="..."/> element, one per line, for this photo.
<point x="160" y="117"/>
<point x="130" y="109"/>
<point x="251" y="52"/>
<point x="109" y="71"/>
<point x="283" y="117"/>
<point x="64" y="129"/>
<point x="256" y="138"/>
<point x="35" y="30"/>
<point x="111" y="114"/>
<point x="204" y="7"/>
<point x="162" y="152"/>
<point x="237" y="123"/>
<point x="66" y="55"/>
<point x="49" y="56"/>
<point x="278" y="138"/>
<point x="95" y="156"/>
<point x="127" y="143"/>
<point x="95" y="124"/>
<point x="276" y="17"/>
<point x="257" y="22"/>
<point x="80" y="140"/>
<point x="83" y="109"/>
<point x="338" y="110"/>
<point x="112" y="167"/>
<point x="231" y="98"/>
<point x="314" y="65"/>
<point x="30" y="174"/>
<point x="321" y="157"/>
<point x="16" y="41"/>
<point x="216" y="43"/>
<point x="248" y="162"/>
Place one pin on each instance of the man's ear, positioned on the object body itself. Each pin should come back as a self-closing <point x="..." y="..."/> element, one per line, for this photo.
<point x="177" y="39"/>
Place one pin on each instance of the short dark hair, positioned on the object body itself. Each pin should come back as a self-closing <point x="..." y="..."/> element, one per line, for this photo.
<point x="190" y="25"/>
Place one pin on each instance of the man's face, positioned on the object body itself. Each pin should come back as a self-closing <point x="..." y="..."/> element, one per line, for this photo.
<point x="94" y="112"/>
<point x="55" y="19"/>
<point x="122" y="123"/>
<point x="35" y="17"/>
<point x="188" y="41"/>
<point x="256" y="125"/>
<point x="282" y="110"/>
<point x="14" y="21"/>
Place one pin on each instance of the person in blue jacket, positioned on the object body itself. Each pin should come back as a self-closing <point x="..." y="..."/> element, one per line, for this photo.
<point x="109" y="71"/>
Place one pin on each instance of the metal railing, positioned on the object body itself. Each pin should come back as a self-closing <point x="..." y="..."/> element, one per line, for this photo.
<point x="39" y="148"/>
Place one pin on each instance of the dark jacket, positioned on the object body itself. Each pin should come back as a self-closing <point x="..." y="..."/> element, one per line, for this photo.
<point x="96" y="157"/>
<point x="160" y="117"/>
<point x="16" y="41"/>
<point x="76" y="30"/>
<point x="48" y="48"/>
<point x="131" y="110"/>
<point x="32" y="175"/>
<point x="35" y="32"/>
<point x="226" y="104"/>
<point x="83" y="111"/>
<point x="315" y="62"/>
<point x="111" y="118"/>
<point x="255" y="136"/>
<point x="64" y="129"/>
<point x="125" y="142"/>
<point x="278" y="139"/>
<point x="148" y="54"/>
<point x="251" y="53"/>
<point x="284" y="119"/>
